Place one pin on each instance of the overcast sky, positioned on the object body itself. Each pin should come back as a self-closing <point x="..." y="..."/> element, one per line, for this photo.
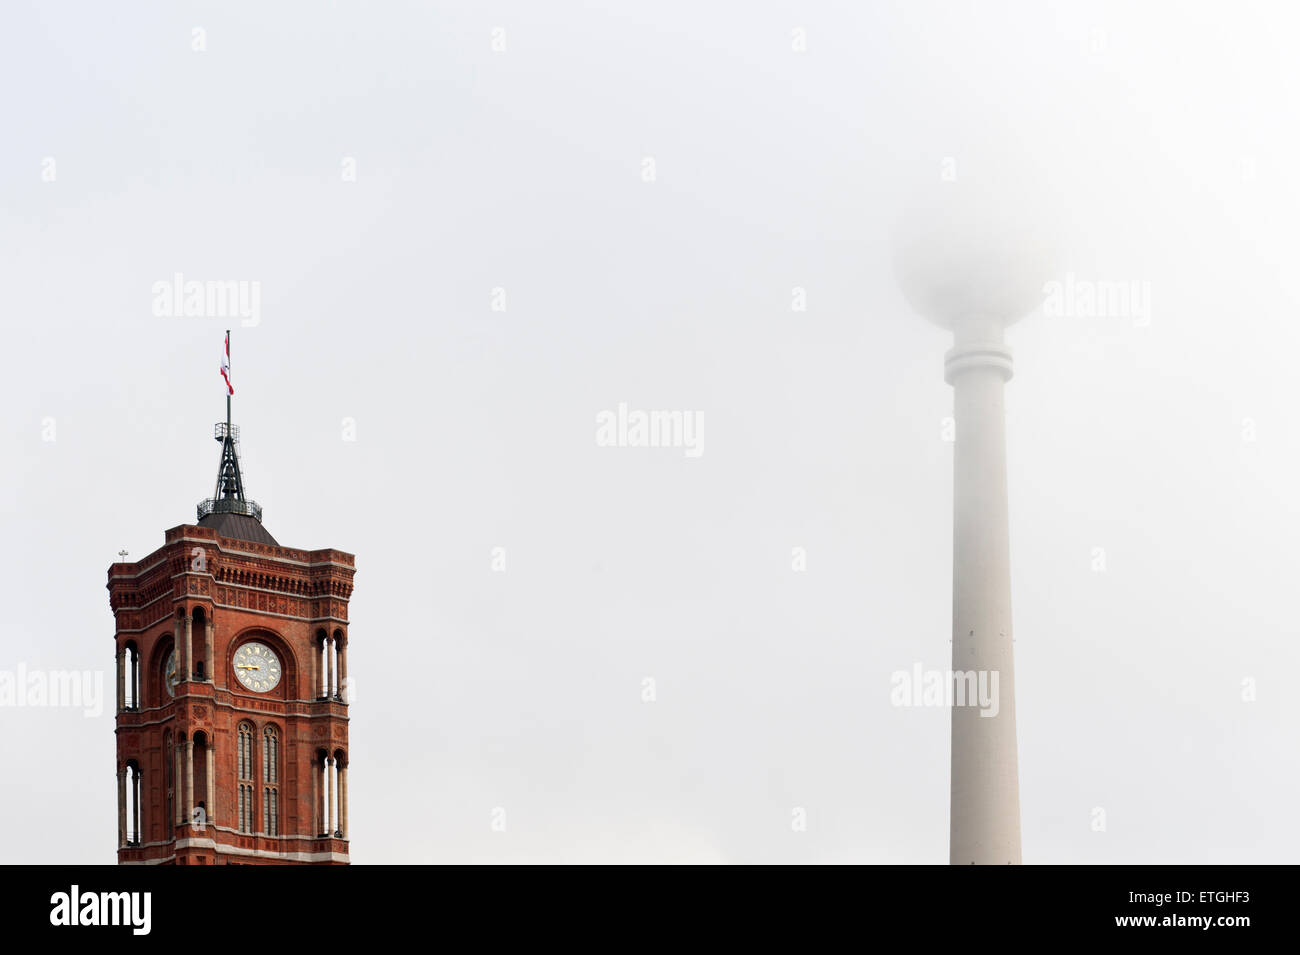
<point x="381" y="169"/>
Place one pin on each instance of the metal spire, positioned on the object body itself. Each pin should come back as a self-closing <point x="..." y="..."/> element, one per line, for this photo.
<point x="228" y="497"/>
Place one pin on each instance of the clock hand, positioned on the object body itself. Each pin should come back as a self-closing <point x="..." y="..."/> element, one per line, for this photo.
<point x="241" y="666"/>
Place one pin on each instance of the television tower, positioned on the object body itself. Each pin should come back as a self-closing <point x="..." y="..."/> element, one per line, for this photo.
<point x="972" y="262"/>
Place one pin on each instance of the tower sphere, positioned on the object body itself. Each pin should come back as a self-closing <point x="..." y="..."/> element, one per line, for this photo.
<point x="974" y="251"/>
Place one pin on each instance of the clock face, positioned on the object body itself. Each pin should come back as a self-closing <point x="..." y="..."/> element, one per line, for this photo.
<point x="257" y="667"/>
<point x="169" y="674"/>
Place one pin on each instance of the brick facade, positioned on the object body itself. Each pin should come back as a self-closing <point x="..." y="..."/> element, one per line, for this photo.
<point x="227" y="593"/>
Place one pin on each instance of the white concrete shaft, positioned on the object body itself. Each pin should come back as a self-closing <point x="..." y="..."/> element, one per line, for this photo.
<point x="985" y="794"/>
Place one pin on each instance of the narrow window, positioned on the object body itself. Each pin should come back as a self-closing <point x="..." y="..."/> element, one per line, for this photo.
<point x="271" y="779"/>
<point x="245" y="761"/>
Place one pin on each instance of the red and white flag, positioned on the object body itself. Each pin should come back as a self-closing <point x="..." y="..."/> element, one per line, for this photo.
<point x="225" y="366"/>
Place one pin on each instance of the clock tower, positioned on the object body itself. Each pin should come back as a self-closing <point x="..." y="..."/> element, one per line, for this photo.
<point x="232" y="691"/>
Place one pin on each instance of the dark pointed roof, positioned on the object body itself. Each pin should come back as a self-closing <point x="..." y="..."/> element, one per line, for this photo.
<point x="242" y="527"/>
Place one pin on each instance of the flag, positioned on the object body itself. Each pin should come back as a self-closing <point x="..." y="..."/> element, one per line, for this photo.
<point x="225" y="367"/>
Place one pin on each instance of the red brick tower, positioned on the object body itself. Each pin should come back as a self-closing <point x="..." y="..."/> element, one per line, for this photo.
<point x="232" y="716"/>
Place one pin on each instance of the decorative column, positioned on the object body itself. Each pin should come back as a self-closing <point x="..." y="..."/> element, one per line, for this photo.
<point x="211" y="805"/>
<point x="139" y="793"/>
<point x="329" y="810"/>
<point x="121" y="679"/>
<point x="177" y="795"/>
<point x="343" y="800"/>
<point x="344" y="690"/>
<point x="329" y="661"/>
<point x="189" y="647"/>
<point x="189" y="780"/>
<point x="207" y="654"/>
<point x="121" y="807"/>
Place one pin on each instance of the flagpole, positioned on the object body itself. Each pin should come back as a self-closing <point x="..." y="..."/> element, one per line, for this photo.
<point x="231" y="372"/>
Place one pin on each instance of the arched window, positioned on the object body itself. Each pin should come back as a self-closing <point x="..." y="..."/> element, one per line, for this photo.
<point x="130" y="676"/>
<point x="200" y="629"/>
<point x="271" y="781"/>
<point x="336" y="666"/>
<point x="244" y="758"/>
<point x="134" y="792"/>
<point x="320" y="674"/>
